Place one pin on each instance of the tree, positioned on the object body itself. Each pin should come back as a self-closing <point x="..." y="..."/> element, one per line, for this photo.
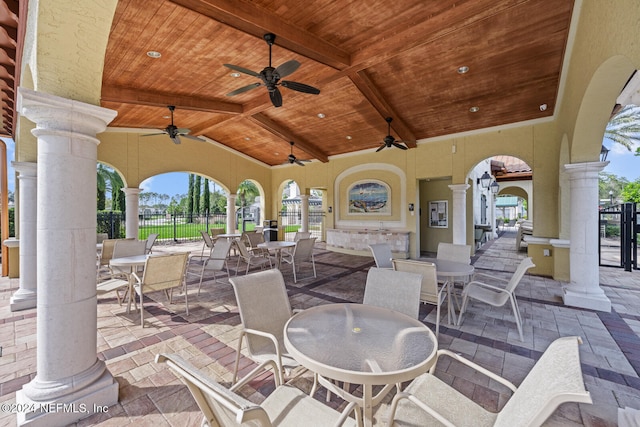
<point x="610" y="184"/>
<point x="247" y="192"/>
<point x="190" y="198"/>
<point x="631" y="192"/>
<point x="206" y="197"/>
<point x="624" y="127"/>
<point x="196" y="194"/>
<point x="109" y="181"/>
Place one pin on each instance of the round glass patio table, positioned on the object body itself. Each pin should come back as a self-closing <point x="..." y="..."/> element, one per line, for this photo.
<point x="277" y="246"/>
<point x="360" y="344"/>
<point x="448" y="271"/>
<point x="132" y="263"/>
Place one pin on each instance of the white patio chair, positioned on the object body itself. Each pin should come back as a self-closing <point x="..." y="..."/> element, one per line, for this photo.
<point x="162" y="273"/>
<point x="151" y="240"/>
<point x="264" y="309"/>
<point x="555" y="379"/>
<point x="454" y="252"/>
<point x="301" y="235"/>
<point x="302" y="252"/>
<point x="216" y="261"/>
<point x="285" y="406"/>
<point x="249" y="258"/>
<point x="382" y="255"/>
<point x="429" y="292"/>
<point x="395" y="290"/>
<point x="103" y="270"/>
<point x="125" y="248"/>
<point x="495" y="295"/>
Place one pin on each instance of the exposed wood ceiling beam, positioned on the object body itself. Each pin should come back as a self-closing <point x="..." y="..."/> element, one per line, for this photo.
<point x="257" y="21"/>
<point x="183" y="102"/>
<point x="288" y="136"/>
<point x="373" y="95"/>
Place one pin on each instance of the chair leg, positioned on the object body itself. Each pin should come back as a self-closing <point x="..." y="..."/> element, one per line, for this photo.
<point x="465" y="301"/>
<point x="201" y="276"/>
<point x="437" y="320"/>
<point x="516" y="315"/>
<point x="237" y="364"/>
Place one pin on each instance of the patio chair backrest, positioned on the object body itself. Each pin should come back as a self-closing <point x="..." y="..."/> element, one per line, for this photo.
<point x="164" y="272"/>
<point x="264" y="305"/>
<point x="215" y="232"/>
<point x="151" y="240"/>
<point x="395" y="290"/>
<point x="301" y="235"/>
<point x="254" y="239"/>
<point x="382" y="255"/>
<point x="556" y="378"/>
<point x="429" y="285"/>
<point x="206" y="238"/>
<point x="219" y="255"/>
<point x="454" y="252"/>
<point x="107" y="250"/>
<point x="125" y="248"/>
<point x="219" y="405"/>
<point x="303" y="250"/>
<point x="100" y="237"/>
<point x="524" y="265"/>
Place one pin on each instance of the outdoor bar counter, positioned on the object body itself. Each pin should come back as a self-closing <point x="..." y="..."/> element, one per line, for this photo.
<point x="357" y="241"/>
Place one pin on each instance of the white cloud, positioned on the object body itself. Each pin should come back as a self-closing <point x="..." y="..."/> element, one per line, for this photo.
<point x="147" y="184"/>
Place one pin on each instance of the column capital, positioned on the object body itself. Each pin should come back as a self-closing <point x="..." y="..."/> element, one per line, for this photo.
<point x="55" y="113"/>
<point x="459" y="187"/>
<point x="576" y="169"/>
<point x="27" y="169"/>
<point x="131" y="190"/>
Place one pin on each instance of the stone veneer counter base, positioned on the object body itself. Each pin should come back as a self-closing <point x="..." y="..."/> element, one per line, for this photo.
<point x="357" y="241"/>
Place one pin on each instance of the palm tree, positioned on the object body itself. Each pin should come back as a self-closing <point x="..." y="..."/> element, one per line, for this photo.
<point x="624" y="127"/>
<point x="246" y="190"/>
<point x="109" y="181"/>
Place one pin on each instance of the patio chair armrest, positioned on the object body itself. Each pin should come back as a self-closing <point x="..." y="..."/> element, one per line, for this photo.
<point x="344" y="415"/>
<point x="473" y="365"/>
<point x="486" y="286"/>
<point x="404" y="395"/>
<point x="500" y="279"/>
<point x="258" y="370"/>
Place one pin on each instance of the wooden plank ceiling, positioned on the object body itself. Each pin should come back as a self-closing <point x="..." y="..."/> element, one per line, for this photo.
<point x="370" y="60"/>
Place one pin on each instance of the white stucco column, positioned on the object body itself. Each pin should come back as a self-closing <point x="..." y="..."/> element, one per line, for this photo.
<point x="25" y="296"/>
<point x="584" y="290"/>
<point x="459" y="213"/>
<point x="304" y="212"/>
<point x="68" y="369"/>
<point x="231" y="213"/>
<point x="132" y="203"/>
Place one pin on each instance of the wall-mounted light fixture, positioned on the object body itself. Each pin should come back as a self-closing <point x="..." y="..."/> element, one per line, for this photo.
<point x="330" y="209"/>
<point x="495" y="187"/>
<point x="484" y="180"/>
<point x="603" y="153"/>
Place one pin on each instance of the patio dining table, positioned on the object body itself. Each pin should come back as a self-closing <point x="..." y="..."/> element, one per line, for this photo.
<point x="130" y="263"/>
<point x="277" y="246"/>
<point x="448" y="271"/>
<point x="360" y="344"/>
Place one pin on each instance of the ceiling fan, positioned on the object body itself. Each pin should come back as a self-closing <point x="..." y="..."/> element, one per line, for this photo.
<point x="271" y="77"/>
<point x="389" y="140"/>
<point x="175" y="132"/>
<point x="291" y="159"/>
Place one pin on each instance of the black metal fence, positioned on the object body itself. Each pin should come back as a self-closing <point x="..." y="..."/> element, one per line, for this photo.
<point x="618" y="236"/>
<point x="291" y="221"/>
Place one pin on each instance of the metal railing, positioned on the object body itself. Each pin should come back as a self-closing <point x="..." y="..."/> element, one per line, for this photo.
<point x="290" y="223"/>
<point x="619" y="226"/>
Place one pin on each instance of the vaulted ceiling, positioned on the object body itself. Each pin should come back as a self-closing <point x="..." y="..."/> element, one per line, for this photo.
<point x="370" y="60"/>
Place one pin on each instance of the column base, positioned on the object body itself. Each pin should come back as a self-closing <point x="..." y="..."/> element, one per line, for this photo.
<point x="598" y="302"/>
<point x="68" y="409"/>
<point x="22" y="300"/>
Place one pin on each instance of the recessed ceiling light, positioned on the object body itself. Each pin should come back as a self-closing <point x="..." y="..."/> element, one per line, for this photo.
<point x="349" y="137"/>
<point x="463" y="69"/>
<point x="543" y="107"/>
<point x="154" y="54"/>
<point x="320" y="115"/>
<point x="474" y="109"/>
<point x="246" y="138"/>
<point x="236" y="75"/>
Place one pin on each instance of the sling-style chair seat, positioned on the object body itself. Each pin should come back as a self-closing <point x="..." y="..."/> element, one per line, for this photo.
<point x="207" y="242"/>
<point x="382" y="255"/>
<point x="216" y="261"/>
<point x="102" y="268"/>
<point x="126" y="248"/>
<point x="555" y="379"/>
<point x="264" y="309"/>
<point x="395" y="290"/>
<point x="162" y="273"/>
<point x="151" y="240"/>
<point x="286" y="406"/>
<point x="302" y="252"/>
<point x="495" y="295"/>
<point x="429" y="292"/>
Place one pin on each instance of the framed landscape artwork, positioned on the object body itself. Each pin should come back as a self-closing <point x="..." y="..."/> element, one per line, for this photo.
<point x="369" y="197"/>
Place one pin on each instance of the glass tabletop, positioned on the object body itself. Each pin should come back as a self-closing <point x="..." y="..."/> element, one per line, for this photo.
<point x="360" y="343"/>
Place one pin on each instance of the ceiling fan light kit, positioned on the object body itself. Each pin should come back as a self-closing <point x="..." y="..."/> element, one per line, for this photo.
<point x="271" y="77"/>
<point x="174" y="132"/>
